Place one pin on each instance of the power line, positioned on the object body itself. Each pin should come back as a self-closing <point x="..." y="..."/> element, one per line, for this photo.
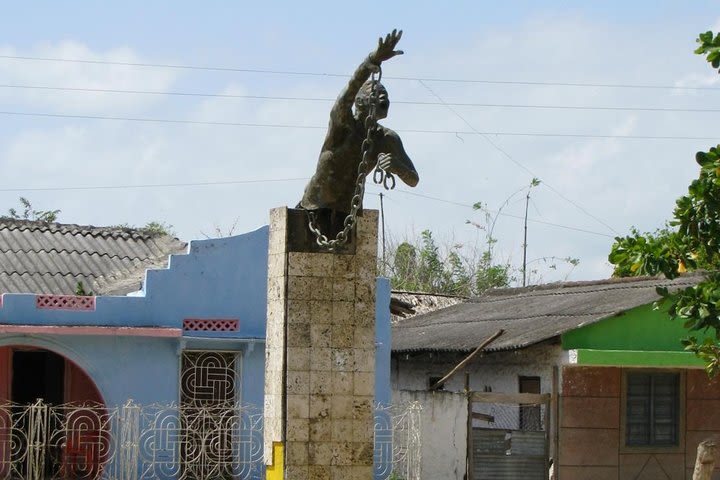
<point x="322" y="127"/>
<point x="149" y="185"/>
<point x="241" y="182"/>
<point x="336" y="75"/>
<point x="509" y="157"/>
<point x="402" y="102"/>
<point x="503" y="214"/>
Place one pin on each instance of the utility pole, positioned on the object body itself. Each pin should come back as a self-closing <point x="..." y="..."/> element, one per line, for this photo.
<point x="382" y="224"/>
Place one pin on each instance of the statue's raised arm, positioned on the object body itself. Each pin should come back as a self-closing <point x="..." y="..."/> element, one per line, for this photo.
<point x="385" y="51"/>
<point x="335" y="182"/>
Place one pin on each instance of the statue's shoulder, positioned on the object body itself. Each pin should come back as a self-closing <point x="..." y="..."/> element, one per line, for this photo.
<point x="388" y="133"/>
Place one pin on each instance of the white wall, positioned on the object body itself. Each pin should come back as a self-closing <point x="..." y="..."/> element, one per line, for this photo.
<point x="443" y="432"/>
<point x="497" y="371"/>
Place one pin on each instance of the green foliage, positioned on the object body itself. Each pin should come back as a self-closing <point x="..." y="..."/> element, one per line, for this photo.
<point x="491" y="276"/>
<point x="421" y="266"/>
<point x="690" y="242"/>
<point x="710" y="46"/>
<point x="158" y="228"/>
<point x="80" y="290"/>
<point x="154" y="228"/>
<point x="29" y="213"/>
<point x="664" y="251"/>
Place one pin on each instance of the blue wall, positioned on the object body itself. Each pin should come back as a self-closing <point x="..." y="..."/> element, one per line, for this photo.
<point x="217" y="278"/>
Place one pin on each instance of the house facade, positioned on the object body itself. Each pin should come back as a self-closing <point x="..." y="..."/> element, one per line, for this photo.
<point x="633" y="404"/>
<point x="162" y="383"/>
<point x="587" y="374"/>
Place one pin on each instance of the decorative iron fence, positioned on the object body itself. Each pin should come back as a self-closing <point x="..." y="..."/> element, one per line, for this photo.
<point x="397" y="441"/>
<point x="165" y="441"/>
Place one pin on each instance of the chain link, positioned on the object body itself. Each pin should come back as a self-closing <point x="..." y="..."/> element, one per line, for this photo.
<point x="349" y="223"/>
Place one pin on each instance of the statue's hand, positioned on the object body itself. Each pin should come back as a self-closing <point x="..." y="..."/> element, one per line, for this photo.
<point x="386" y="47"/>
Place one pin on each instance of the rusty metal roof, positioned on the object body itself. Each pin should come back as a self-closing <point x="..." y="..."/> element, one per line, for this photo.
<point x="528" y="315"/>
<point x="51" y="258"/>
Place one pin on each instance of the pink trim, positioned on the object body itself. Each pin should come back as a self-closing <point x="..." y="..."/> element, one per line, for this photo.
<point x="211" y="324"/>
<point x="96" y="331"/>
<point x="65" y="302"/>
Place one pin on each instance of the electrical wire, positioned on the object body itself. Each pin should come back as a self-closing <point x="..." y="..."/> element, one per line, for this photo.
<point x="254" y="181"/>
<point x="320" y="127"/>
<point x="327" y="100"/>
<point x="337" y="75"/>
<point x="523" y="167"/>
<point x="503" y="214"/>
<point x="149" y="185"/>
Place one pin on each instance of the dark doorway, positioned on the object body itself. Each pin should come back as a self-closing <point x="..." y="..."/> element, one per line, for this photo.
<point x="530" y="414"/>
<point x="37" y="374"/>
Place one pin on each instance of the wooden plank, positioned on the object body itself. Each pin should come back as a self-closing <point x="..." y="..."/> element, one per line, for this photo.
<point x="467" y="359"/>
<point x="483" y="417"/>
<point x="523" y="398"/>
<point x="469" y="457"/>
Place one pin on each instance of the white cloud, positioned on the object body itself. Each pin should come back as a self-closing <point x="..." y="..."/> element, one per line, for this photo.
<point x="71" y="75"/>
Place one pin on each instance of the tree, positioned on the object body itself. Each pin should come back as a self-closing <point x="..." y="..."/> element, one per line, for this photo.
<point x="422" y="266"/>
<point x="464" y="270"/>
<point x="691" y="241"/>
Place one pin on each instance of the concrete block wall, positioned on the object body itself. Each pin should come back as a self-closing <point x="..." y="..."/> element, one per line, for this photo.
<point x="320" y="355"/>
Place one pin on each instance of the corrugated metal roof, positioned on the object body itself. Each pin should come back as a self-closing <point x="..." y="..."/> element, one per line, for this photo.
<point x="528" y="315"/>
<point x="51" y="258"/>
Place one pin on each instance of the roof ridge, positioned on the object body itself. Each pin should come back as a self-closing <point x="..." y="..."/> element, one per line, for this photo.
<point x="84" y="230"/>
<point x="563" y="288"/>
<point x="407" y="323"/>
<point x="411" y="292"/>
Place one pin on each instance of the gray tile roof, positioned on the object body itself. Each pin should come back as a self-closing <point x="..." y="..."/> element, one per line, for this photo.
<point x="38" y="257"/>
<point x="528" y="315"/>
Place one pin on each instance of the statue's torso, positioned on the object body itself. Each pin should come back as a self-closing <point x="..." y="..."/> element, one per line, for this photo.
<point x="334" y="182"/>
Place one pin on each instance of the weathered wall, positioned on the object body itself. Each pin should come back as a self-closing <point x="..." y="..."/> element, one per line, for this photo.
<point x="498" y="371"/>
<point x="589" y="423"/>
<point x="443" y="434"/>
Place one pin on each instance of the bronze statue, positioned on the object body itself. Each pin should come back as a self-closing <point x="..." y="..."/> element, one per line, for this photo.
<point x="331" y="189"/>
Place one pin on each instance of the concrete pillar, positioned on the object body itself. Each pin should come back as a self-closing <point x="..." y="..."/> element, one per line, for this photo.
<point x="320" y="351"/>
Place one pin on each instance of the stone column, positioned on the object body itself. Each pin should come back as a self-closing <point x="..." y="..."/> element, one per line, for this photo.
<point x="320" y="351"/>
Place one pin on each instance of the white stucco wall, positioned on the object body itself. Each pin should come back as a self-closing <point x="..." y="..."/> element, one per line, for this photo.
<point x="444" y="432"/>
<point x="497" y="372"/>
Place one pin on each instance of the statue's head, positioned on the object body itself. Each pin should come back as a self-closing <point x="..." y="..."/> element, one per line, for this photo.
<point x="362" y="99"/>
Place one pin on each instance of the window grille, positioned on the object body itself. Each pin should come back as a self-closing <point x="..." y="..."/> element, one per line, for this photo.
<point x="652" y="409"/>
<point x="208" y="392"/>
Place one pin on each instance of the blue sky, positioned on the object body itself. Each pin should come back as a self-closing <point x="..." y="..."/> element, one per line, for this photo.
<point x="592" y="190"/>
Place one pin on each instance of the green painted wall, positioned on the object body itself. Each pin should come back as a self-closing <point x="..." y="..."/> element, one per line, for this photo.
<point x="628" y="358"/>
<point x="638" y="329"/>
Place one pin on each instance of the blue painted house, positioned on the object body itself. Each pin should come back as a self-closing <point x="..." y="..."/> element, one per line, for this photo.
<point x="156" y="370"/>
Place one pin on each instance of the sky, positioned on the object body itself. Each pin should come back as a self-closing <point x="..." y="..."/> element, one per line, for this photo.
<point x="205" y="116"/>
